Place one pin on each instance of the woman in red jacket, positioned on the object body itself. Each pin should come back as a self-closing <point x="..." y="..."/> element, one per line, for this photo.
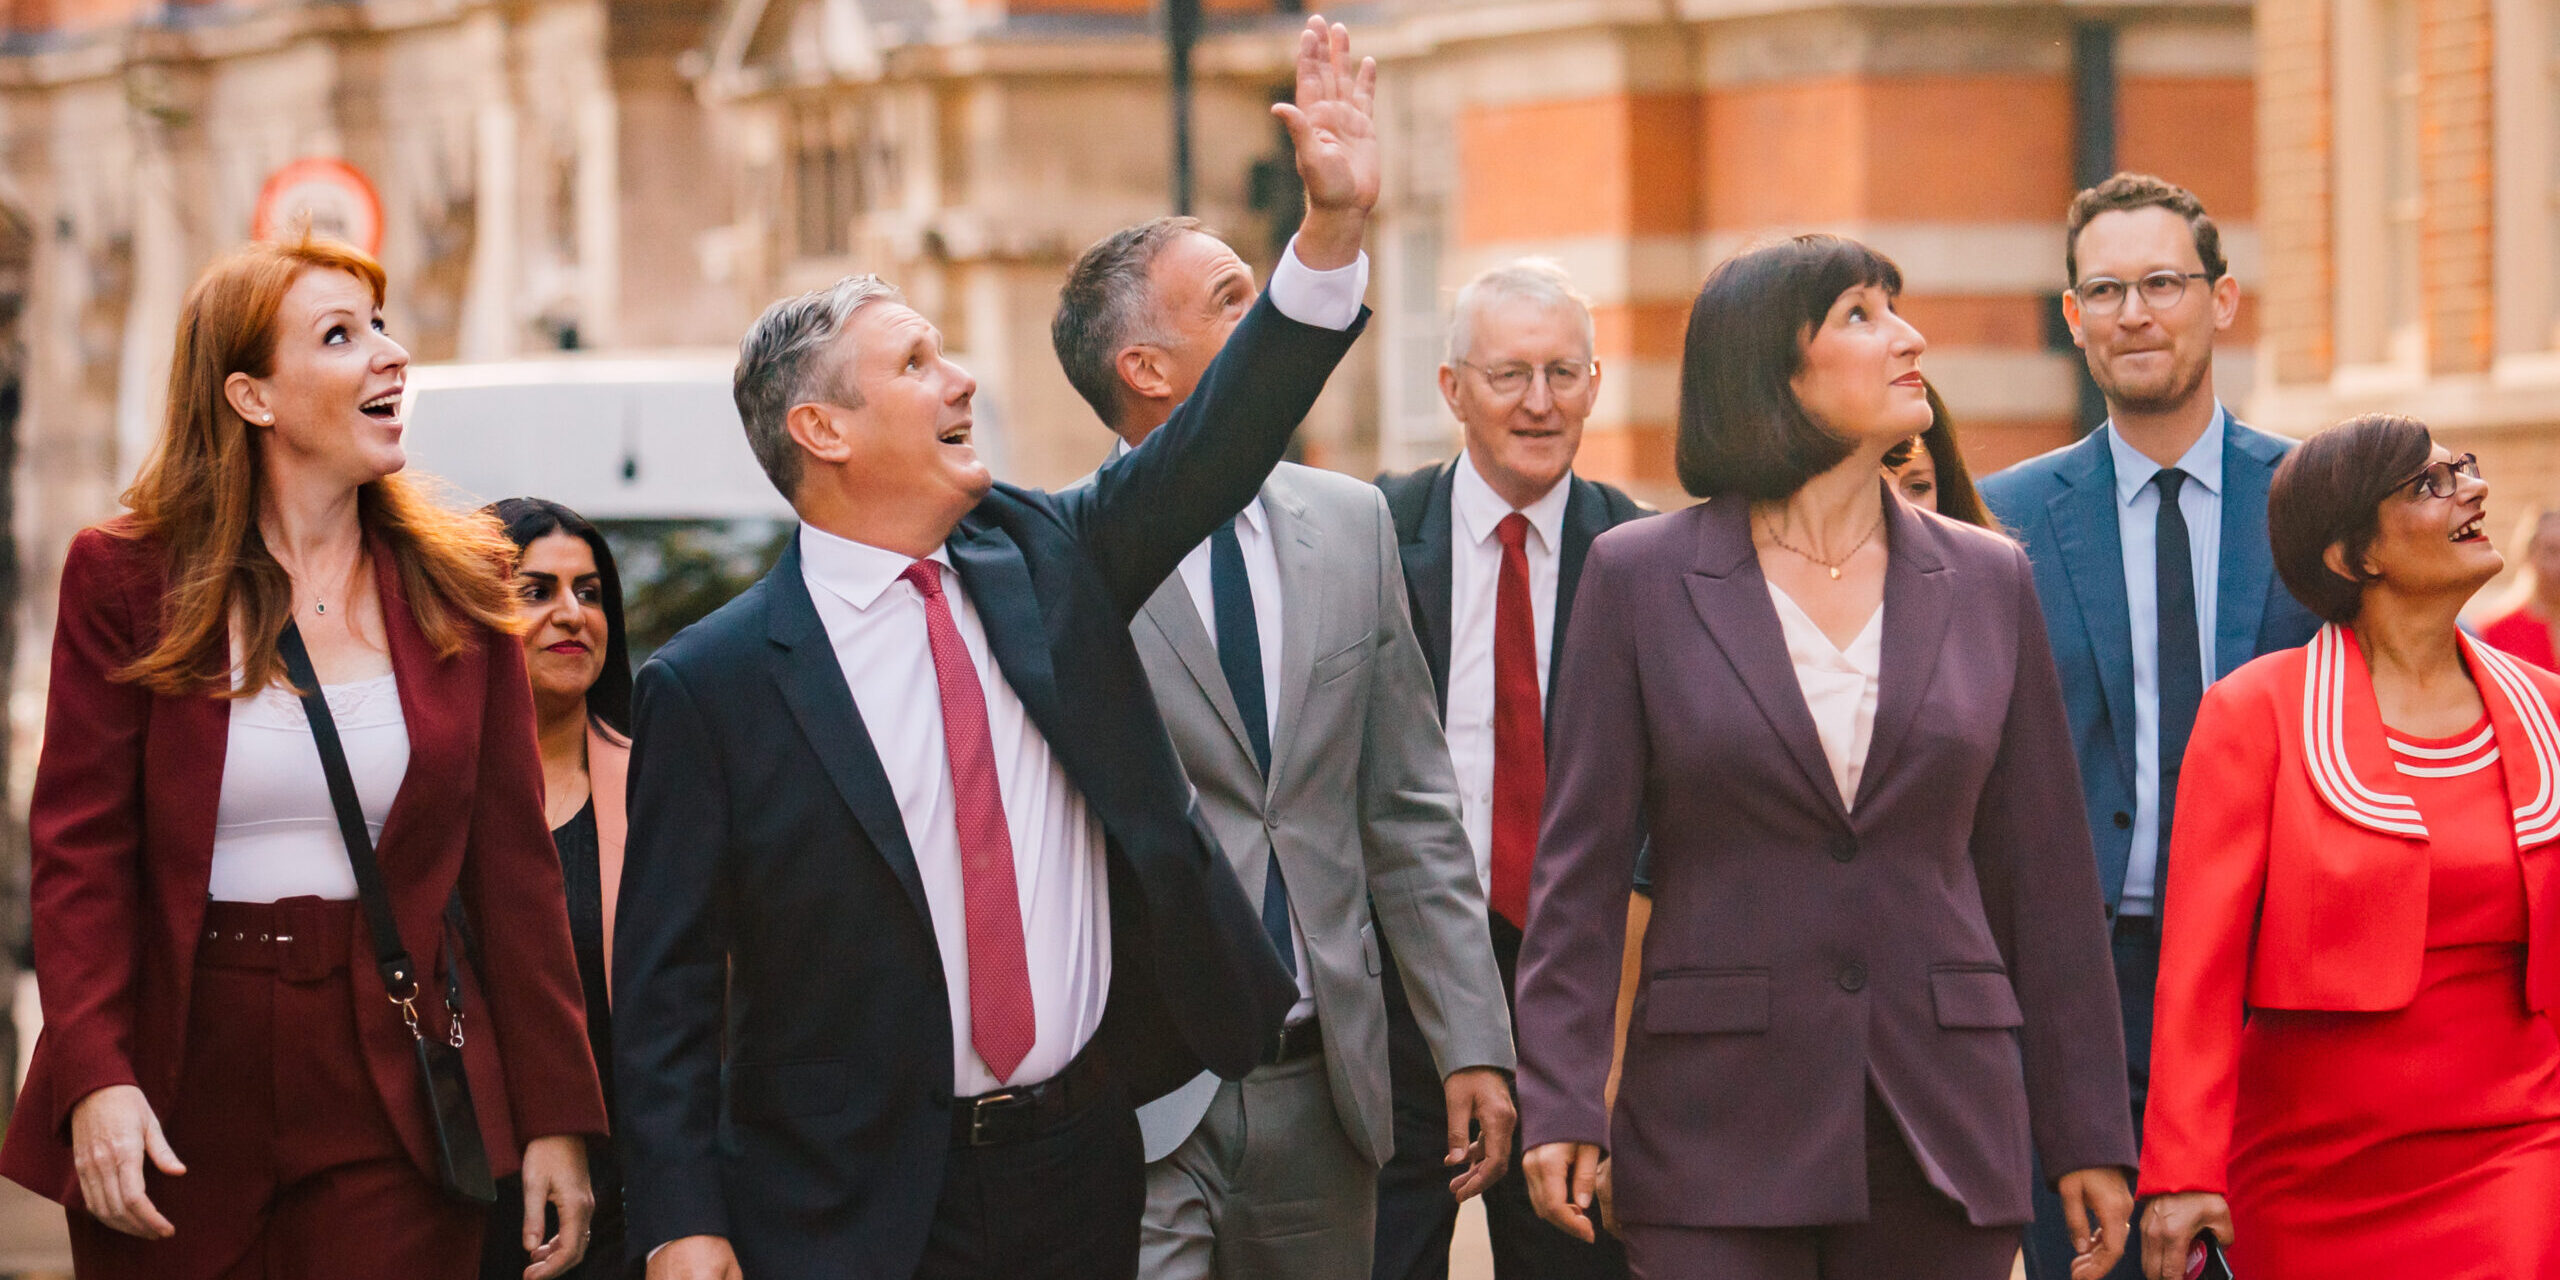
<point x="223" y="1087"/>
<point x="2354" y="1070"/>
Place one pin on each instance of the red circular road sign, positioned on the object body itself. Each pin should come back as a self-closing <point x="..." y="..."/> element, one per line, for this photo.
<point x="334" y="195"/>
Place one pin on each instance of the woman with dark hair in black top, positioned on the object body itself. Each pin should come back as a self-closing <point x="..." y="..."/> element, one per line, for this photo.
<point x="578" y="658"/>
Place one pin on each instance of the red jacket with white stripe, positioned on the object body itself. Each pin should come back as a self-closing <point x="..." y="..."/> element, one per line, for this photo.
<point x="2298" y="873"/>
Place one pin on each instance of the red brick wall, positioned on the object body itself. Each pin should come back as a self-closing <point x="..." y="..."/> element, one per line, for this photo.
<point x="2454" y="167"/>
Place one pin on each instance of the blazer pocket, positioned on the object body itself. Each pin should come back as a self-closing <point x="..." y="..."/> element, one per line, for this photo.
<point x="1333" y="666"/>
<point x="1974" y="997"/>
<point x="779" y="1090"/>
<point x="1707" y="1002"/>
<point x="1369" y="949"/>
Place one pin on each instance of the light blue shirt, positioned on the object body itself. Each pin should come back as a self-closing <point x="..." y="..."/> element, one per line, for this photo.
<point x="2137" y="526"/>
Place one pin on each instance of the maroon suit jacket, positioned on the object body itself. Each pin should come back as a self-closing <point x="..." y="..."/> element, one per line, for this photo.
<point x="1943" y="937"/>
<point x="122" y="832"/>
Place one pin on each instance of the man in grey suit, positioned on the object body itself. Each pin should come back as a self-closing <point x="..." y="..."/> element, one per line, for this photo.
<point x="1299" y="702"/>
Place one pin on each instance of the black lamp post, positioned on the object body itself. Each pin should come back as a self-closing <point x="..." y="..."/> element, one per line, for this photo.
<point x="1181" y="31"/>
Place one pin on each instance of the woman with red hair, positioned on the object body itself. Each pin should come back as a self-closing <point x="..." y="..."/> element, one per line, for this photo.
<point x="231" y="1080"/>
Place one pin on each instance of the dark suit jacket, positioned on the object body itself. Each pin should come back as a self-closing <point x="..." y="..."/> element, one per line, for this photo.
<point x="122" y="831"/>
<point x="1944" y="937"/>
<point x="1419" y="500"/>
<point x="768" y="866"/>
<point x="2062" y="505"/>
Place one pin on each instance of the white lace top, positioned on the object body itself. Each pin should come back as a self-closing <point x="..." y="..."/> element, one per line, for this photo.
<point x="275" y="834"/>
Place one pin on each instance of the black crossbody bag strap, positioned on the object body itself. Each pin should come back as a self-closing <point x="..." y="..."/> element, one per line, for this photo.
<point x="461" y="1158"/>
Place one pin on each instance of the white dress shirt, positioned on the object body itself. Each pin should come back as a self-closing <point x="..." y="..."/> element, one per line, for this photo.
<point x="1840" y="687"/>
<point x="2137" y="526"/>
<point x="1475" y="578"/>
<point x="275" y="829"/>
<point x="876" y="624"/>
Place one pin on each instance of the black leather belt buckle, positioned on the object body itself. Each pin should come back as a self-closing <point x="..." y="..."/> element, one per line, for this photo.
<point x="1002" y="1117"/>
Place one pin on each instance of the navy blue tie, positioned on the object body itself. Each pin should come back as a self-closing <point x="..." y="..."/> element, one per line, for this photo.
<point x="2181" y="659"/>
<point x="1240" y="657"/>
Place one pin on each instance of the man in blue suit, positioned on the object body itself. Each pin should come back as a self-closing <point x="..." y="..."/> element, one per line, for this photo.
<point x="917" y="905"/>
<point x="2149" y="540"/>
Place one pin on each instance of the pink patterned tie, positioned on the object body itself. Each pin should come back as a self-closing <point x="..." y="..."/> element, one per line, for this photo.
<point x="1001" y="1025"/>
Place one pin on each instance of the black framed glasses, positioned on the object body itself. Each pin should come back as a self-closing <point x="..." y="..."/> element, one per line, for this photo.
<point x="2437" y="479"/>
<point x="2160" y="290"/>
<point x="1564" y="377"/>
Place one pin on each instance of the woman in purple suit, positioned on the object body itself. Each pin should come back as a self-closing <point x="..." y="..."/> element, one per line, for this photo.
<point x="1876" y="982"/>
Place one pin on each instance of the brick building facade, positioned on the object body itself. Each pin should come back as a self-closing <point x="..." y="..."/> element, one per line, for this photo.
<point x="2412" y="161"/>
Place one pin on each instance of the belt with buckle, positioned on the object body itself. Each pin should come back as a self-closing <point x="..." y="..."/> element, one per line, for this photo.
<point x="1027" y="1111"/>
<point x="1296" y="1040"/>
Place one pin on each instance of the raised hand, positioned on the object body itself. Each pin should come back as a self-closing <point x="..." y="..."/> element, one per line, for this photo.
<point x="1334" y="129"/>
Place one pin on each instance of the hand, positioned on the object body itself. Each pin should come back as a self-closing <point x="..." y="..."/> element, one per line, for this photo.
<point x="1335" y="134"/>
<point x="1561" y="1177"/>
<point x="695" y="1258"/>
<point x="2098" y="1208"/>
<point x="2170" y="1227"/>
<point x="555" y="1173"/>
<point x="1479" y="1101"/>
<point x="1605" y="1188"/>
<point x="112" y="1131"/>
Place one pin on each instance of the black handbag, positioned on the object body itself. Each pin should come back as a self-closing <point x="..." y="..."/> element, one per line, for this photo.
<point x="462" y="1162"/>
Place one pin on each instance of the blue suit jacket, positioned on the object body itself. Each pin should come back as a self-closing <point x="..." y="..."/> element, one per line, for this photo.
<point x="2062" y="505"/>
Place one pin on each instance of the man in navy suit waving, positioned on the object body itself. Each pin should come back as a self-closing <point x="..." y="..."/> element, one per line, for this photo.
<point x="2149" y="540"/>
<point x="917" y="906"/>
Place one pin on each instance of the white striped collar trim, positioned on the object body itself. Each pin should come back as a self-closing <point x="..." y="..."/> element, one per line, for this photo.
<point x="2324" y="742"/>
<point x="2324" y="735"/>
<point x="2458" y="760"/>
<point x="2538" y="819"/>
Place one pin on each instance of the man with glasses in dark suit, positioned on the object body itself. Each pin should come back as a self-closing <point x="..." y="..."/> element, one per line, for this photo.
<point x="2149" y="541"/>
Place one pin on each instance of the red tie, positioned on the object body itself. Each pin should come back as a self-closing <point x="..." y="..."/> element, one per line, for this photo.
<point x="1001" y="1026"/>
<point x="1519" y="734"/>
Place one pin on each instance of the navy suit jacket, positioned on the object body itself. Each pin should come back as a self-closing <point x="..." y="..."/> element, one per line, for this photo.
<point x="2062" y="505"/>
<point x="782" y="1032"/>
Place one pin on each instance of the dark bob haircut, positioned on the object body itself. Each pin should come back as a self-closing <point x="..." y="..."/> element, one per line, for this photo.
<point x="2329" y="492"/>
<point x="1741" y="430"/>
<point x="526" y="519"/>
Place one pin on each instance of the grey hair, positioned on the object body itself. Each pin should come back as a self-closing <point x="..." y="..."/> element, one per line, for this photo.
<point x="781" y="363"/>
<point x="1105" y="307"/>
<point x="1538" y="280"/>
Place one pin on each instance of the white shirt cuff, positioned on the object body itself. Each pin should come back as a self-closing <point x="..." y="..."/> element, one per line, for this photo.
<point x="1319" y="299"/>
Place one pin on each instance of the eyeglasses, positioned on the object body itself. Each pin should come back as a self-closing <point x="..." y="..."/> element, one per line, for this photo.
<point x="2161" y="290"/>
<point x="1564" y="378"/>
<point x="2436" y="479"/>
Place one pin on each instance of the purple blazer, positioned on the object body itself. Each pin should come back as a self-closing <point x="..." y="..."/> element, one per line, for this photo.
<point x="1945" y="938"/>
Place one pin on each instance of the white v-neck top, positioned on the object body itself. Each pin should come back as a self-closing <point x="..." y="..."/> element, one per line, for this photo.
<point x="275" y="830"/>
<point x="1839" y="686"/>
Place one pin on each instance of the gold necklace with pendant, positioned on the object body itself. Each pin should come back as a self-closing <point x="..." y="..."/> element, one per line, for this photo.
<point x="1770" y="527"/>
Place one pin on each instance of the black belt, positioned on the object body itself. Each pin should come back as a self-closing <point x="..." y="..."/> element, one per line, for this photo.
<point x="1027" y="1111"/>
<point x="2139" y="928"/>
<point x="1296" y="1040"/>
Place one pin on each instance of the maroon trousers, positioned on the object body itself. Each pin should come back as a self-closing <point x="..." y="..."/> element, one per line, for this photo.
<point x="293" y="1170"/>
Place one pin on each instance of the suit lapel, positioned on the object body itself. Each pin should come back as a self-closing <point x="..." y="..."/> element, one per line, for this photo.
<point x="1427" y="579"/>
<point x="2248" y="567"/>
<point x="1732" y="599"/>
<point x="1918" y="605"/>
<point x="1299" y="547"/>
<point x="1176" y="617"/>
<point x="813" y="686"/>
<point x="1586" y="516"/>
<point x="431" y="702"/>
<point x="2083" y="519"/>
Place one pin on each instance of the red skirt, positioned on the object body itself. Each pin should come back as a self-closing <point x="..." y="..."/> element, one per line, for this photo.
<point x="2423" y="1141"/>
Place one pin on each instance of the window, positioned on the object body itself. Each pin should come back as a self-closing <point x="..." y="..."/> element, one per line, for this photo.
<point x="840" y="170"/>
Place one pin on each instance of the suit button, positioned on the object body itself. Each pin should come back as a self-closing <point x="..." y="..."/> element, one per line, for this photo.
<point x="2124" y="821"/>
<point x="1844" y="848"/>
<point x="1853" y="977"/>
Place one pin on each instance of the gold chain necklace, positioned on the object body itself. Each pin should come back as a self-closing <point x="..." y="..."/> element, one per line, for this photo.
<point x="1770" y="527"/>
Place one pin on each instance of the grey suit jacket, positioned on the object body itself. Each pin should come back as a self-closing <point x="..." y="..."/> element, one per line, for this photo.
<point x="1361" y="806"/>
